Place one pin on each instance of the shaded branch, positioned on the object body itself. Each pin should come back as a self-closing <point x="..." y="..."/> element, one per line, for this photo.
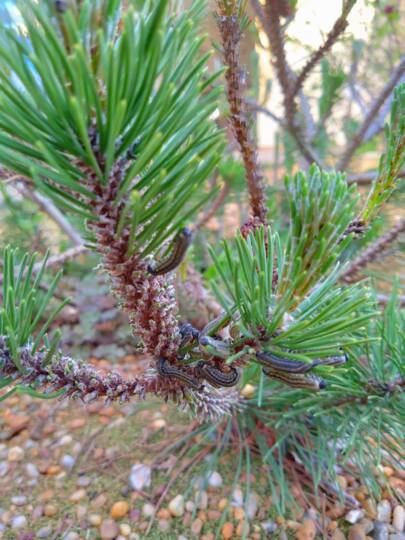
<point x="367" y="178"/>
<point x="371" y="254"/>
<point x="270" y="18"/>
<point x="48" y="207"/>
<point x="231" y="35"/>
<point x="338" y="28"/>
<point x="215" y="206"/>
<point x="358" y="138"/>
<point x="61" y="258"/>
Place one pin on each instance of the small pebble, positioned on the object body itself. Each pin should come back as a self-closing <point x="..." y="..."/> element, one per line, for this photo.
<point x="201" y="499"/>
<point x="227" y="530"/>
<point x="44" y="532"/>
<point x="181" y="537"/>
<point x="19" y="500"/>
<point x="83" y="481"/>
<point x="94" y="519"/>
<point x="190" y="506"/>
<point x="397" y="536"/>
<point x="306" y="531"/>
<point x="269" y="526"/>
<point x="50" y="510"/>
<point x="338" y="535"/>
<point x="237" y="497"/>
<point x="238" y="513"/>
<point x="3" y="468"/>
<point x="71" y="535"/>
<point x="242" y="529"/>
<point x="398" y="519"/>
<point x="384" y="511"/>
<point x="252" y="504"/>
<point x="196" y="527"/>
<point x="380" y="531"/>
<point x="37" y="513"/>
<point x="81" y="511"/>
<point x="125" y="529"/>
<point x="78" y="495"/>
<point x="215" y="480"/>
<point x="18" y="522"/>
<point x="176" y="506"/>
<point x="140" y="477"/>
<point x="148" y="510"/>
<point x="356" y="532"/>
<point x="164" y="524"/>
<point x="108" y="529"/>
<point x="31" y="470"/>
<point x="67" y="461"/>
<point x="119" y="509"/>
<point x="367" y="525"/>
<point x="213" y="515"/>
<point x="354" y="516"/>
<point x="16" y="453"/>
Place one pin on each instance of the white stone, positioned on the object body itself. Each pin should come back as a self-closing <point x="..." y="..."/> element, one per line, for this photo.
<point x="384" y="511"/>
<point x="398" y="519"/>
<point x="354" y="516"/>
<point x="148" y="510"/>
<point x="140" y="477"/>
<point x="237" y="497"/>
<point x="31" y="470"/>
<point x="18" y="522"/>
<point x="215" y="480"/>
<point x="67" y="461"/>
<point x="252" y="504"/>
<point x="176" y="506"/>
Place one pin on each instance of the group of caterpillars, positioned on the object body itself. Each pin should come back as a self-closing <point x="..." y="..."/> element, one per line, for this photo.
<point x="291" y="372"/>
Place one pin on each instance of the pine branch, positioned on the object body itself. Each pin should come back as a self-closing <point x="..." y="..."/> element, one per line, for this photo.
<point x="149" y="300"/>
<point x="338" y="28"/>
<point x="358" y="138"/>
<point x="352" y="274"/>
<point x="71" y="378"/>
<point x="229" y="27"/>
<point x="367" y="178"/>
<point x="285" y="76"/>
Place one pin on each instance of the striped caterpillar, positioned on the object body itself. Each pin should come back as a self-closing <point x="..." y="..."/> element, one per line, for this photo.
<point x="180" y="246"/>
<point x="217" y="377"/>
<point x="275" y="363"/>
<point x="297" y="380"/>
<point x="164" y="369"/>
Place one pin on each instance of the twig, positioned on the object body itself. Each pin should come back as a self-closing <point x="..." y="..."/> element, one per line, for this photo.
<point x="216" y="205"/>
<point x="371" y="254"/>
<point x="271" y="24"/>
<point x="61" y="258"/>
<point x="338" y="28"/>
<point x="231" y="35"/>
<point x="367" y="178"/>
<point x="253" y="106"/>
<point x="358" y="138"/>
<point x="47" y="206"/>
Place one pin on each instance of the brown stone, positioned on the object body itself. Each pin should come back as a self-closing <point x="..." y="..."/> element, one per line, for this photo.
<point x="227" y="530"/>
<point x="307" y="530"/>
<point x="119" y="509"/>
<point x="356" y="532"/>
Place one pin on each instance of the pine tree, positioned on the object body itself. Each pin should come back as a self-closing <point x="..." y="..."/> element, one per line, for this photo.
<point x="108" y="112"/>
